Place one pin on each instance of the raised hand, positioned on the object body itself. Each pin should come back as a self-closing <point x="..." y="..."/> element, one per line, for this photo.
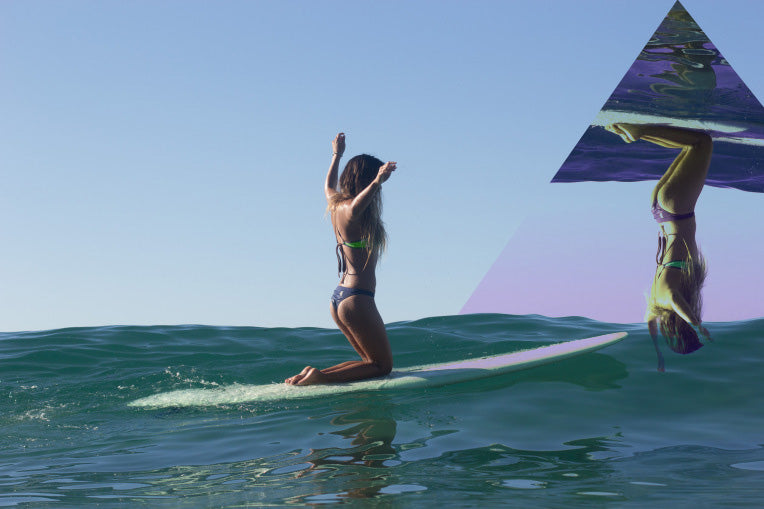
<point x="338" y="144"/>
<point x="385" y="171"/>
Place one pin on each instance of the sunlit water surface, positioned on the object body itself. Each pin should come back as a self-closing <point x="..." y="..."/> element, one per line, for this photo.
<point x="605" y="428"/>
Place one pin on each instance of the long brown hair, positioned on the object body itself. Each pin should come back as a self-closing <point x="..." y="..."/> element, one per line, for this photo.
<point x="359" y="172"/>
<point x="680" y="336"/>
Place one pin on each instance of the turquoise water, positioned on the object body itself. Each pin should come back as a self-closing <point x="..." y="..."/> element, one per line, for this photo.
<point x="604" y="429"/>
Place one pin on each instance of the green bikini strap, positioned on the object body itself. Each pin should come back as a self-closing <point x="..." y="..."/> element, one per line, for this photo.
<point x="677" y="264"/>
<point x="357" y="244"/>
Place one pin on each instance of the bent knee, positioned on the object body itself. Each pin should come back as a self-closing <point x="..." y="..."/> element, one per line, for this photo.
<point x="385" y="367"/>
<point x="704" y="142"/>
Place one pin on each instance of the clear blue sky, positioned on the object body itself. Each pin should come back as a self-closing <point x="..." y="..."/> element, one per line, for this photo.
<point x="163" y="162"/>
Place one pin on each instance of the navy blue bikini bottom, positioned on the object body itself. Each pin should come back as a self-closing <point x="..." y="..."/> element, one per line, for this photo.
<point x="662" y="215"/>
<point x="343" y="292"/>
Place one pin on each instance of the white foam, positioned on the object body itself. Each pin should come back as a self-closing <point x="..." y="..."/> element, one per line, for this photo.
<point x="233" y="394"/>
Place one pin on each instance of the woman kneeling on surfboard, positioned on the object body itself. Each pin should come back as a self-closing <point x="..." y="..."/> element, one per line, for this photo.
<point x="675" y="300"/>
<point x="356" y="211"/>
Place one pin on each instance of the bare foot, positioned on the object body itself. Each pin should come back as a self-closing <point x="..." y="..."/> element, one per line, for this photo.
<point x="613" y="128"/>
<point x="312" y="377"/>
<point x="292" y="380"/>
<point x="628" y="132"/>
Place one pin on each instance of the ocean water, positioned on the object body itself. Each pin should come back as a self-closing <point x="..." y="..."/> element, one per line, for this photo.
<point x="605" y="429"/>
<point x="679" y="78"/>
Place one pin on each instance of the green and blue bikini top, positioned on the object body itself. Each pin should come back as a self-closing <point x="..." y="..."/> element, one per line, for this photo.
<point x="662" y="246"/>
<point x="360" y="244"/>
<point x="342" y="264"/>
<point x="676" y="264"/>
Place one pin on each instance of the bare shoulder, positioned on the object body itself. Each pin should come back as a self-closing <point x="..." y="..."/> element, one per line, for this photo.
<point x="341" y="211"/>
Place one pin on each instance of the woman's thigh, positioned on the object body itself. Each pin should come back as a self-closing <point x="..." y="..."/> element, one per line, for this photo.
<point x="681" y="191"/>
<point x="358" y="317"/>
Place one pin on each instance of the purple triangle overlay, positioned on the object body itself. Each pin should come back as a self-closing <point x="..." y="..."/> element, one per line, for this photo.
<point x="679" y="78"/>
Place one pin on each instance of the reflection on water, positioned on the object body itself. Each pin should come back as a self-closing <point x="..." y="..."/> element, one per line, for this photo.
<point x="675" y="305"/>
<point x="356" y="471"/>
<point x="679" y="59"/>
<point x="681" y="79"/>
<point x="370" y="463"/>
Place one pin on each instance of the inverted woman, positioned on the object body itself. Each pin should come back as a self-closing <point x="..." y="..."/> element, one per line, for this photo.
<point x="675" y="303"/>
<point x="356" y="216"/>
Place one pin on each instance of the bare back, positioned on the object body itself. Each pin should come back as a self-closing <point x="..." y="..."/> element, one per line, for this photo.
<point x="360" y="263"/>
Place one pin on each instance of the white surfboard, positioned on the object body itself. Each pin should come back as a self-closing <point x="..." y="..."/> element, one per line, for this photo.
<point x="433" y="375"/>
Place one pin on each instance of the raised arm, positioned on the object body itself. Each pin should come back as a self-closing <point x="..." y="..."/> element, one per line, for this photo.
<point x="652" y="326"/>
<point x="683" y="309"/>
<point x="363" y="199"/>
<point x="338" y="148"/>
